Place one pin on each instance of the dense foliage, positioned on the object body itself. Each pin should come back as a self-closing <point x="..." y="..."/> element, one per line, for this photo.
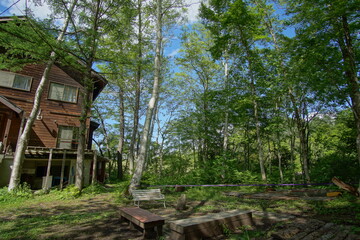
<point x="259" y="91"/>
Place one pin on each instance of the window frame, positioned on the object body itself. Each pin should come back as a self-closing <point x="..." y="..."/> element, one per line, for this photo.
<point x="74" y="141"/>
<point x="65" y="85"/>
<point x="15" y="88"/>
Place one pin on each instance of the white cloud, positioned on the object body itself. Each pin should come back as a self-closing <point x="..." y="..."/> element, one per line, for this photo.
<point x="193" y="10"/>
<point x="174" y="52"/>
<point x="18" y="8"/>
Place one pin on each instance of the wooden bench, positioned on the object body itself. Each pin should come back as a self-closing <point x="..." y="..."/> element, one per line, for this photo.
<point x="147" y="195"/>
<point x="143" y="219"/>
<point x="210" y="225"/>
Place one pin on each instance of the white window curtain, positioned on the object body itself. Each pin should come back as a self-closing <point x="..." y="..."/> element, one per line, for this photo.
<point x="70" y="94"/>
<point x="63" y="92"/>
<point x="66" y="137"/>
<point x="6" y="79"/>
<point x="56" y="91"/>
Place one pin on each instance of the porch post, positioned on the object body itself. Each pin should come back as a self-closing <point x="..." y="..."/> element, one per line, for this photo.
<point x="48" y="170"/>
<point x="62" y="170"/>
<point x="70" y="172"/>
<point x="7" y="131"/>
<point x="94" y="172"/>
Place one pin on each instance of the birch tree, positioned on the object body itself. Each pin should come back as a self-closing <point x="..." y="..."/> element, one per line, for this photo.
<point x="164" y="14"/>
<point x="22" y="142"/>
<point x="140" y="163"/>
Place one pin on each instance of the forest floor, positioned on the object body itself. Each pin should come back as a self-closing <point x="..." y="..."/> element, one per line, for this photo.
<point x="97" y="217"/>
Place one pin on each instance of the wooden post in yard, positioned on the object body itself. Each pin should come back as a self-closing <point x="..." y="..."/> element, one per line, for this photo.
<point x="94" y="172"/>
<point x="48" y="170"/>
<point x="62" y="171"/>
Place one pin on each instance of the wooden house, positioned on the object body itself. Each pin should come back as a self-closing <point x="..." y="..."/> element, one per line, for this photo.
<point x="52" y="145"/>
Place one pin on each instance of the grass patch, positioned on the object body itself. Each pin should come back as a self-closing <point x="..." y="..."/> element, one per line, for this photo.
<point x="53" y="215"/>
<point x="32" y="226"/>
<point x="30" y="216"/>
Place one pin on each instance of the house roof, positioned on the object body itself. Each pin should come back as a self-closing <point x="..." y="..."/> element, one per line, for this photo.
<point x="10" y="18"/>
<point x="10" y="105"/>
<point x="99" y="81"/>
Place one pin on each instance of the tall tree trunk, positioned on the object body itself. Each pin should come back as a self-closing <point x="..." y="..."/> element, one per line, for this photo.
<point x="148" y="156"/>
<point x="137" y="91"/>
<point x="278" y="144"/>
<point x="247" y="148"/>
<point x="249" y="59"/>
<point x="226" y="120"/>
<point x="87" y="98"/>
<point x="140" y="163"/>
<point x="106" y="138"/>
<point x="23" y="140"/>
<point x="255" y="107"/>
<point x="303" y="136"/>
<point x="79" y="173"/>
<point x="120" y="147"/>
<point x="205" y="128"/>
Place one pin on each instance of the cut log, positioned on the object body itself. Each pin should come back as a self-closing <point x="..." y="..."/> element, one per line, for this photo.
<point x="345" y="186"/>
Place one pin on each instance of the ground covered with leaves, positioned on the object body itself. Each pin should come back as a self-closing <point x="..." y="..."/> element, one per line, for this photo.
<point x="95" y="213"/>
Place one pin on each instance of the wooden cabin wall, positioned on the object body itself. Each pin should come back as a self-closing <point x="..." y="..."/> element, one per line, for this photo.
<point x="54" y="113"/>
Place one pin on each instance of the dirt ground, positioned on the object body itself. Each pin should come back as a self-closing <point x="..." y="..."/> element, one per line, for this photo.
<point x="269" y="226"/>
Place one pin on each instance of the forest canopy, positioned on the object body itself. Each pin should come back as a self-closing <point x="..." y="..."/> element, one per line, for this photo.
<point x="259" y="91"/>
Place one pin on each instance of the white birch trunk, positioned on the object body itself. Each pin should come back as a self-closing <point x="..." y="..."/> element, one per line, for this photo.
<point x="226" y="125"/>
<point x="140" y="163"/>
<point x="23" y="140"/>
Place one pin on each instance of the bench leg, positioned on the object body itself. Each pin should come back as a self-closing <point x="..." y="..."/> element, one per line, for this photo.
<point x="159" y="230"/>
<point x="149" y="233"/>
<point x="123" y="219"/>
<point x="138" y="203"/>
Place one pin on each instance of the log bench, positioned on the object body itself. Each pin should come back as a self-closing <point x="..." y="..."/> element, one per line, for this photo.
<point x="143" y="219"/>
<point x="210" y="225"/>
<point x="147" y="195"/>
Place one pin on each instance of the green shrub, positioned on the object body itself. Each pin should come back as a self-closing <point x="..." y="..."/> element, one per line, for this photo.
<point x="68" y="193"/>
<point x="94" y="189"/>
<point x="245" y="177"/>
<point x="22" y="191"/>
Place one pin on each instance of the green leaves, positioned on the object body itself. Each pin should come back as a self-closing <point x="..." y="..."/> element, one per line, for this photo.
<point x="24" y="41"/>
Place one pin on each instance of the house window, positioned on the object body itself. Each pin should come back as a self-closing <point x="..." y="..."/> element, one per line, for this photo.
<point x="12" y="80"/>
<point x="63" y="92"/>
<point x="67" y="137"/>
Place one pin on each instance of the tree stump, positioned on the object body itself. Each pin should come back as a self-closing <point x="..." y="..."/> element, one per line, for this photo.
<point x="181" y="203"/>
<point x="179" y="189"/>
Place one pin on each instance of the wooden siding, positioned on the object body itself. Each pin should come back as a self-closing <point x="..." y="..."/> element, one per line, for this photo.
<point x="54" y="113"/>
